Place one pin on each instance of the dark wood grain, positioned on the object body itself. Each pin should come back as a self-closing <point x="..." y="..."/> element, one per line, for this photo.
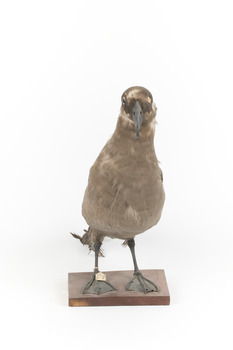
<point x="119" y="279"/>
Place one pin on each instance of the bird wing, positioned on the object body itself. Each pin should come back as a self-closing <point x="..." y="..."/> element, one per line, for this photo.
<point x="102" y="188"/>
<point x="161" y="175"/>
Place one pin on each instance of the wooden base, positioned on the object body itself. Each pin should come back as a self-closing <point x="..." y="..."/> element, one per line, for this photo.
<point x="119" y="279"/>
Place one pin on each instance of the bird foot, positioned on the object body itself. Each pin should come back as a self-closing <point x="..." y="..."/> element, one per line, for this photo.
<point x="97" y="287"/>
<point x="141" y="284"/>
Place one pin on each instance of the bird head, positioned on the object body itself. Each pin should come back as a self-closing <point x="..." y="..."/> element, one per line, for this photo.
<point x="138" y="109"/>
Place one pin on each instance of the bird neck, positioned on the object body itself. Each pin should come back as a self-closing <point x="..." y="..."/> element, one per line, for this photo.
<point x="125" y="130"/>
<point x="125" y="142"/>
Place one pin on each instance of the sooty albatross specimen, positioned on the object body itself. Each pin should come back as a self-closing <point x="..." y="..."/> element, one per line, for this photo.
<point x="124" y="195"/>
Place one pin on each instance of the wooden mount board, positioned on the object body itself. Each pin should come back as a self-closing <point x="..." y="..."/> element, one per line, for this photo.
<point x="119" y="279"/>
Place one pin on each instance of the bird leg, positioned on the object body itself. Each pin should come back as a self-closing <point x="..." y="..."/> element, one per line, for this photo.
<point x="95" y="286"/>
<point x="139" y="283"/>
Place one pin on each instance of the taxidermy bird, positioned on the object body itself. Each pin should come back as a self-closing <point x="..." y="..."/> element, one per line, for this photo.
<point x="124" y="196"/>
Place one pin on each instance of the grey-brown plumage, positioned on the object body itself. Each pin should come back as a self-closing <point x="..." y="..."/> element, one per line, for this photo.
<point x="125" y="196"/>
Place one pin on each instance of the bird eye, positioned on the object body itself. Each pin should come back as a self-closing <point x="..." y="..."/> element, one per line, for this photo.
<point x="123" y="100"/>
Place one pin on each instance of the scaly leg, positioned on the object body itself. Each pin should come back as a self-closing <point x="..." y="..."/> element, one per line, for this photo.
<point x="139" y="283"/>
<point x="94" y="286"/>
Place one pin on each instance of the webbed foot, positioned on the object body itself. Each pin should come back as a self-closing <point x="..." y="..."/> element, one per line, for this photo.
<point x="97" y="287"/>
<point x="141" y="284"/>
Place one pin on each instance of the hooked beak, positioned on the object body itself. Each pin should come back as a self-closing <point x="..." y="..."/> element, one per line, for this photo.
<point x="137" y="117"/>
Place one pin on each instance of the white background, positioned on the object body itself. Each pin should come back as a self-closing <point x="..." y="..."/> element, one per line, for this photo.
<point x="64" y="66"/>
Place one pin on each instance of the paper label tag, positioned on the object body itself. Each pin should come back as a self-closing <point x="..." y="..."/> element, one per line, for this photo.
<point x="100" y="276"/>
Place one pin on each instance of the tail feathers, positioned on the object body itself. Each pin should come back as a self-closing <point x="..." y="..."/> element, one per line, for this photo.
<point x="76" y="236"/>
<point x="125" y="243"/>
<point x="86" y="239"/>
